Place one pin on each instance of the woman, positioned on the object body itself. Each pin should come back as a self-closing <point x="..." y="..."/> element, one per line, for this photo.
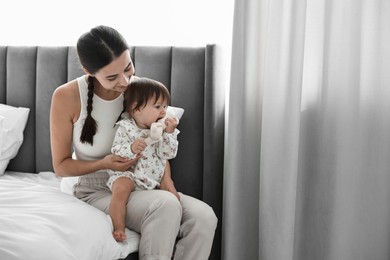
<point x="83" y="113"/>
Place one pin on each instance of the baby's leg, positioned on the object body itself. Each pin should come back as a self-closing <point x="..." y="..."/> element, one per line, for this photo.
<point x="121" y="189"/>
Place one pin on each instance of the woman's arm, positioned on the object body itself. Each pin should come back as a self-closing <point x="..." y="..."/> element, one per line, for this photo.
<point x="64" y="111"/>
<point x="167" y="182"/>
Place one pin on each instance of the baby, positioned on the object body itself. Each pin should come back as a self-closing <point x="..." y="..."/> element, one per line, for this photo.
<point x="146" y="103"/>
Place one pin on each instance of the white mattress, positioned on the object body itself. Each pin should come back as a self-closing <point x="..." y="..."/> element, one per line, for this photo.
<point x="38" y="221"/>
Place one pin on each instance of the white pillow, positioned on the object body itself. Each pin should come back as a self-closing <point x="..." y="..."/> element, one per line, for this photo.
<point x="175" y="111"/>
<point x="13" y="120"/>
<point x="67" y="184"/>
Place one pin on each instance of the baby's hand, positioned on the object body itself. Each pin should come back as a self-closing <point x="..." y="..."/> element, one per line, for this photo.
<point x="170" y="123"/>
<point x="138" y="146"/>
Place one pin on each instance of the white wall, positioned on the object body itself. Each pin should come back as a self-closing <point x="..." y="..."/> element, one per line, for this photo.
<point x="142" y="22"/>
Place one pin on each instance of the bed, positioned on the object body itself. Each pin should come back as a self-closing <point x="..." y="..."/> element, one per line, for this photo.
<point x="39" y="218"/>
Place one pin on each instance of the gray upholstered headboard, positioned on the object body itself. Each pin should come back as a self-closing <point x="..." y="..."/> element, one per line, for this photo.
<point x="29" y="75"/>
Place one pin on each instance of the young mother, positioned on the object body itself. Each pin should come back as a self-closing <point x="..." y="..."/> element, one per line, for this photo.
<point x="83" y="113"/>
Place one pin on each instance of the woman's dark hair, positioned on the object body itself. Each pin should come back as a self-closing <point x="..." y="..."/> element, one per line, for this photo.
<point x="140" y="91"/>
<point x="96" y="49"/>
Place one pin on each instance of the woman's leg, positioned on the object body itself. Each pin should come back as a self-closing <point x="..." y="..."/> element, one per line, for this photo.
<point x="197" y="230"/>
<point x="121" y="189"/>
<point x="156" y="215"/>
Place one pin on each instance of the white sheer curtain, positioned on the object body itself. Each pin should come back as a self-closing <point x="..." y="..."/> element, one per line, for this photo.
<point x="307" y="161"/>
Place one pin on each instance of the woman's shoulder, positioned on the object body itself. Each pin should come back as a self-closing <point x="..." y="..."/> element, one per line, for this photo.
<point x="67" y="91"/>
<point x="67" y="96"/>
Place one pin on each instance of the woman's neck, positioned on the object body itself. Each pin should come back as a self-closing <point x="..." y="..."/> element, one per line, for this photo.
<point x="104" y="93"/>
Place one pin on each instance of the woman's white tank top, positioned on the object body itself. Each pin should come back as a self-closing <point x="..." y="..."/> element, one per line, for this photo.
<point x="105" y="113"/>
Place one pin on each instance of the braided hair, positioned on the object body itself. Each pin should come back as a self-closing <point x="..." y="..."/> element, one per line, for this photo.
<point x="96" y="49"/>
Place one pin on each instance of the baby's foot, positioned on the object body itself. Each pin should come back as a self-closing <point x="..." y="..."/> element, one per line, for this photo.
<point x="119" y="235"/>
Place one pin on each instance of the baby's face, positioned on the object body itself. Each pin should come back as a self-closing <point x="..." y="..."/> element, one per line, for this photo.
<point x="152" y="112"/>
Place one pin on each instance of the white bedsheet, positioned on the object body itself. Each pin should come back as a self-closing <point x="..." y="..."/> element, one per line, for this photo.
<point x="38" y="221"/>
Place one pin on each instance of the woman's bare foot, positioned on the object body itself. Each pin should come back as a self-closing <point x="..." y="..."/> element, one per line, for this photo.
<point x="119" y="235"/>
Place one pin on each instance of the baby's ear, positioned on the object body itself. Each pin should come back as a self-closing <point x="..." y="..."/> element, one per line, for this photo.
<point x="134" y="108"/>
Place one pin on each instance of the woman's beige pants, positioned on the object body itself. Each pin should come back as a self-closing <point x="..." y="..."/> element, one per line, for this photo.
<point x="167" y="226"/>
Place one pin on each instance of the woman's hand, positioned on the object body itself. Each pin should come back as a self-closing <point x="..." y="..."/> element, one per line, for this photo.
<point x="117" y="163"/>
<point x="167" y="184"/>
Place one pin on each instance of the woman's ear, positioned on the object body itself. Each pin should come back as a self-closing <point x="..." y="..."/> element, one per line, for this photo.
<point x="86" y="71"/>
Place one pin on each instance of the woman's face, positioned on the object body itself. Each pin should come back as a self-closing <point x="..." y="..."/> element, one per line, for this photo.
<point x="116" y="75"/>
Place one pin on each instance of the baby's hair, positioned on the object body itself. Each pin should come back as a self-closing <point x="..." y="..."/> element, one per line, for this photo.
<point x="140" y="91"/>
